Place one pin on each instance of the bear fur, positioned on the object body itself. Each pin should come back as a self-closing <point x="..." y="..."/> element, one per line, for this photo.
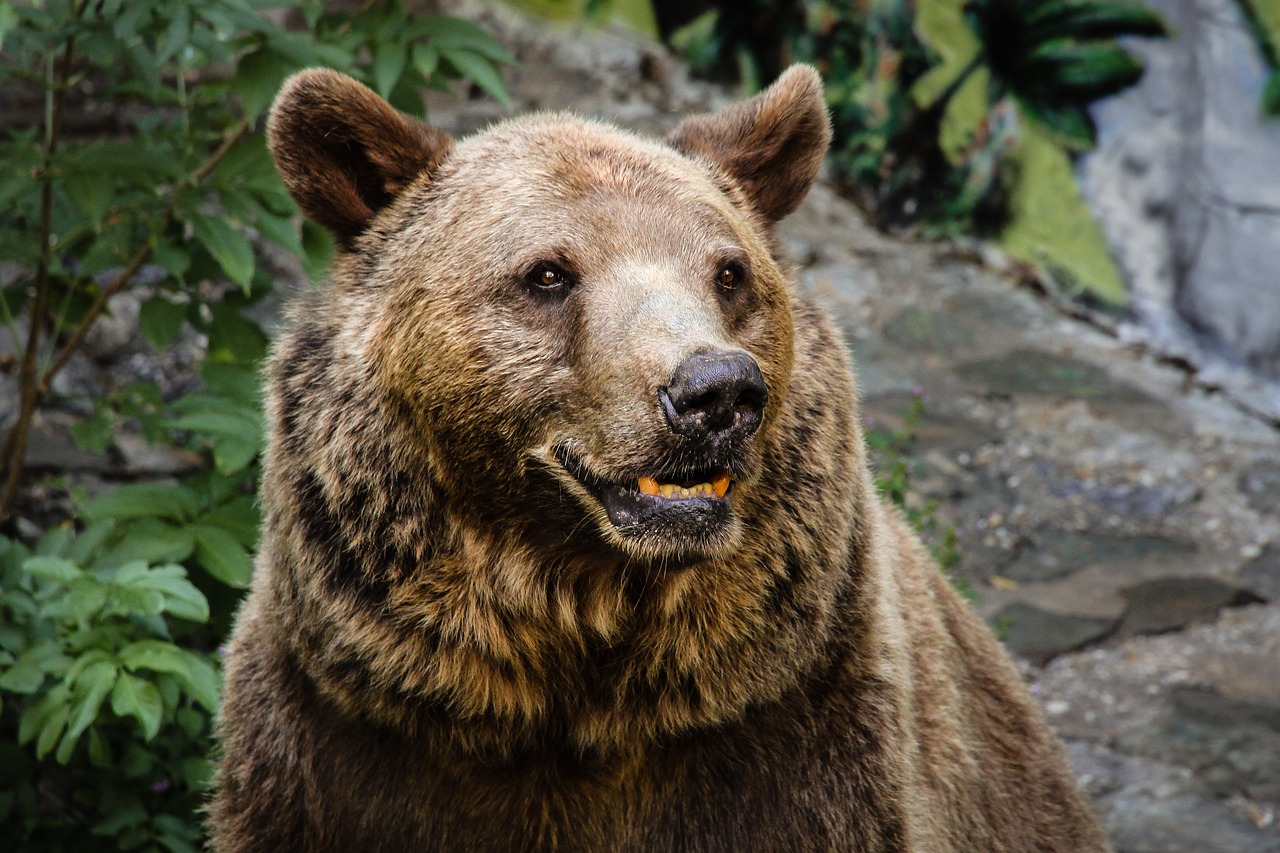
<point x="471" y="628"/>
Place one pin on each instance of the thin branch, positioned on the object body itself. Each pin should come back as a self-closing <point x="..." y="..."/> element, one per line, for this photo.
<point x="15" y="447"/>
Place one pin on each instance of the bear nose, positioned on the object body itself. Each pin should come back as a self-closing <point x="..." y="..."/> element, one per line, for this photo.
<point x="715" y="395"/>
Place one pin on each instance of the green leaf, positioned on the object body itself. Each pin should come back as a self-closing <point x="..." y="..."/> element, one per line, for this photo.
<point x="137" y="164"/>
<point x="95" y="433"/>
<point x="389" y="60"/>
<point x="222" y="555"/>
<point x="178" y="33"/>
<point x="451" y="32"/>
<point x="151" y="541"/>
<point x="91" y="687"/>
<point x="137" y="698"/>
<point x="161" y="321"/>
<point x="228" y="246"/>
<point x="83" y="600"/>
<point x="426" y="59"/>
<point x="157" y="656"/>
<point x="41" y="713"/>
<point x="56" y="540"/>
<point x="53" y="569"/>
<point x="319" y="250"/>
<point x="198" y="677"/>
<point x="143" y="500"/>
<point x="233" y="381"/>
<point x="1271" y="95"/>
<point x="181" y="598"/>
<point x="24" y="677"/>
<point x="1092" y="19"/>
<point x="90" y="540"/>
<point x="1069" y="125"/>
<point x="52" y="730"/>
<point x="203" y="684"/>
<point x="239" y="517"/>
<point x="258" y="78"/>
<point x="172" y="259"/>
<point x="9" y="19"/>
<point x="480" y="69"/>
<point x="130" y="601"/>
<point x="99" y="749"/>
<point x="91" y="193"/>
<point x="1069" y="71"/>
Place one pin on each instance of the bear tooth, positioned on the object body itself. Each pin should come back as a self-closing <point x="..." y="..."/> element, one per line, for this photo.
<point x="720" y="485"/>
<point x="668" y="490"/>
<point x="648" y="486"/>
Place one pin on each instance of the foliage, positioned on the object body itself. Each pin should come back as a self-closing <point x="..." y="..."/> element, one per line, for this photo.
<point x="1263" y="18"/>
<point x="1042" y="61"/>
<point x="893" y="451"/>
<point x="108" y="681"/>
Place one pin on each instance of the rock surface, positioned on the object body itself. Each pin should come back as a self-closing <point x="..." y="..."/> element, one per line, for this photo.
<point x="1186" y="183"/>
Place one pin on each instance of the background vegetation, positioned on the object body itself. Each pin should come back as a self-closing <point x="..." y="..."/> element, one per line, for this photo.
<point x="954" y="117"/>
<point x="110" y="620"/>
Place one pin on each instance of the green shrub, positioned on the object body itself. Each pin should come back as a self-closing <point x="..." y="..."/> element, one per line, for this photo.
<point x="1043" y="61"/>
<point x="108" y="624"/>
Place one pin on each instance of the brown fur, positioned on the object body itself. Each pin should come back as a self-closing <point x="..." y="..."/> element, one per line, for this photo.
<point x="450" y="646"/>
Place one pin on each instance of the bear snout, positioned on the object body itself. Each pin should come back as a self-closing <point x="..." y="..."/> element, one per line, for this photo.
<point x="715" y="398"/>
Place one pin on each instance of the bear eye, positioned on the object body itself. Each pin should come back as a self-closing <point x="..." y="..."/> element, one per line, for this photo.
<point x="730" y="277"/>
<point x="547" y="277"/>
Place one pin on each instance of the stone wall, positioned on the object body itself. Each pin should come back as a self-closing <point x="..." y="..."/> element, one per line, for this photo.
<point x="1186" y="182"/>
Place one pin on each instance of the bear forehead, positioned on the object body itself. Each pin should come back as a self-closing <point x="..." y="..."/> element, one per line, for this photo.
<point x="575" y="157"/>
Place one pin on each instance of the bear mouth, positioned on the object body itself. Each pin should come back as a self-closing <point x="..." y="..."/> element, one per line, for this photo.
<point x="698" y="496"/>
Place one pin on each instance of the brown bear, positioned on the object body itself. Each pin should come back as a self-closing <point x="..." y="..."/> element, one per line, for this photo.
<point x="570" y="540"/>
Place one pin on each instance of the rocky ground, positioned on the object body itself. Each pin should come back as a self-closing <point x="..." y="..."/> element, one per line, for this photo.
<point x="1117" y="523"/>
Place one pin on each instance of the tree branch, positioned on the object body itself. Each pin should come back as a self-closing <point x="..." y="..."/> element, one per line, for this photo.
<point x="15" y="446"/>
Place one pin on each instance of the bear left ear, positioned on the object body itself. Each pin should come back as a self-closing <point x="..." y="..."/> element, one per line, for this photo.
<point x="773" y="144"/>
<point x="344" y="152"/>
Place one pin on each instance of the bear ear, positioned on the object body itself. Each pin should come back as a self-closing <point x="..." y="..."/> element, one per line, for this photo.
<point x="344" y="152"/>
<point x="773" y="144"/>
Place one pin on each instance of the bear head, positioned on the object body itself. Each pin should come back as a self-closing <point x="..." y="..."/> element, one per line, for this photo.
<point x="564" y="309"/>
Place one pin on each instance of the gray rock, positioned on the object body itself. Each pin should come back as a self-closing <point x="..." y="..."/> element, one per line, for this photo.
<point x="932" y="329"/>
<point x="1186" y="183"/>
<point x="1040" y="635"/>
<point x="1262" y="574"/>
<point x="1232" y="745"/>
<point x="1261" y="485"/>
<point x="1170" y="604"/>
<point x="1052" y="554"/>
<point x="1039" y="373"/>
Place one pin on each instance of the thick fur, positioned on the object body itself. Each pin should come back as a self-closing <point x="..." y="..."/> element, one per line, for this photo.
<point x="449" y="646"/>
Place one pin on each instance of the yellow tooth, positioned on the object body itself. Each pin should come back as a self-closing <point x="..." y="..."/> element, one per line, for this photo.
<point x="668" y="490"/>
<point x="649" y="486"/>
<point x="720" y="484"/>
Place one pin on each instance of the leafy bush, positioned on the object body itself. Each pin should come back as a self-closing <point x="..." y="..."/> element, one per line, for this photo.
<point x="147" y="175"/>
<point x="1043" y="60"/>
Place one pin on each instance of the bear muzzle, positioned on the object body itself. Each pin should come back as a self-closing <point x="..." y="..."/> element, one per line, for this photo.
<point x="715" y="399"/>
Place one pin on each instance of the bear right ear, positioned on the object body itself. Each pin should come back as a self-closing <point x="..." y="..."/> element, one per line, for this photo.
<point x="772" y="144"/>
<point x="344" y="152"/>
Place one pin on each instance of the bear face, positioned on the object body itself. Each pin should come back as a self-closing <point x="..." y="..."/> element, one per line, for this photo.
<point x="611" y="306"/>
